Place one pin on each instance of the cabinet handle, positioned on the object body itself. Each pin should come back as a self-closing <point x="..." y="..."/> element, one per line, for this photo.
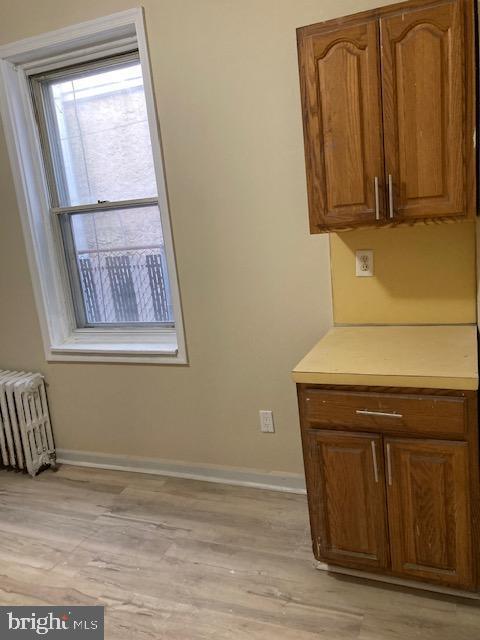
<point x="389" y="466"/>
<point x="374" y="456"/>
<point x="390" y="194"/>
<point x="377" y="199"/>
<point x="366" y="412"/>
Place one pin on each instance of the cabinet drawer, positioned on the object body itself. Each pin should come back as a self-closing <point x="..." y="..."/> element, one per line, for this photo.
<point x="391" y="413"/>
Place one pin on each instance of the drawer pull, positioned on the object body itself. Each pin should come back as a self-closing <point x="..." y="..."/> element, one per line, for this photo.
<point x="366" y="412"/>
<point x="374" y="456"/>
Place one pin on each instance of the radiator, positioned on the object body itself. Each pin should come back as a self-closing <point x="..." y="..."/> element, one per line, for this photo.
<point x="26" y="439"/>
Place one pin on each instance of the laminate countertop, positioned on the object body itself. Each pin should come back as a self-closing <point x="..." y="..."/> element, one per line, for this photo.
<point x="435" y="357"/>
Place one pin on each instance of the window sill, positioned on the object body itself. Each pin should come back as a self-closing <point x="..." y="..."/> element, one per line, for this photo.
<point x="134" y="346"/>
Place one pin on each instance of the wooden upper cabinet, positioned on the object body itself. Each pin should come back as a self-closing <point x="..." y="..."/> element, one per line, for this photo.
<point x="345" y="475"/>
<point x="429" y="510"/>
<point x="424" y="110"/>
<point x="389" y="115"/>
<point x="342" y="125"/>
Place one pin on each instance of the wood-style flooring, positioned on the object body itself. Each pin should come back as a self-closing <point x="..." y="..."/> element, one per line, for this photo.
<point x="185" y="560"/>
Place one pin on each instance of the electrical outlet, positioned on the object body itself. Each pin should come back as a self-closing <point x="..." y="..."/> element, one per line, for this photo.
<point x="266" y="422"/>
<point x="364" y="263"/>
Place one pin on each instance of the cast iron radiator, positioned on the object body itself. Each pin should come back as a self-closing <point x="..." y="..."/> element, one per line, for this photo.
<point x="26" y="438"/>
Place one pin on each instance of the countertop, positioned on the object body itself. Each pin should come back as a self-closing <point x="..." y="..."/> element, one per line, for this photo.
<point x="436" y="357"/>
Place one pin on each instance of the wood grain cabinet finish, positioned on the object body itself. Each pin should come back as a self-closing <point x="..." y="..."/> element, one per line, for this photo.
<point x="393" y="480"/>
<point x="424" y="107"/>
<point x="389" y="115"/>
<point x="344" y="148"/>
<point x="429" y="416"/>
<point x="348" y="498"/>
<point x="429" y="510"/>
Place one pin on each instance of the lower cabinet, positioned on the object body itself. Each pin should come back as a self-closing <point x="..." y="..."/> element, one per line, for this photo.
<point x="388" y="503"/>
<point x="348" y="498"/>
<point x="429" y="510"/>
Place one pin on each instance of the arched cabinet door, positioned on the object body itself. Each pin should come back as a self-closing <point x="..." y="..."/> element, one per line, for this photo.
<point x="339" y="72"/>
<point x="428" y="130"/>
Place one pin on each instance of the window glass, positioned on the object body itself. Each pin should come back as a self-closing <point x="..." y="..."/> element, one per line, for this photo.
<point x="100" y="135"/>
<point x="120" y="257"/>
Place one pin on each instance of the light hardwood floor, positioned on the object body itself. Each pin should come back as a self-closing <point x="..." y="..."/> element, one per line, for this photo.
<point x="185" y="560"/>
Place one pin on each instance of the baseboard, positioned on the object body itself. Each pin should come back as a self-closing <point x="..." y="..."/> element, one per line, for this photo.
<point x="411" y="584"/>
<point x="255" y="478"/>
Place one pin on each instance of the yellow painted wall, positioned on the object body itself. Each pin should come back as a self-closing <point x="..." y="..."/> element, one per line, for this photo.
<point x="423" y="275"/>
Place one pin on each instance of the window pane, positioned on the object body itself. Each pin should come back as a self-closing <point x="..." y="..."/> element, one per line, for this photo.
<point x="100" y="136"/>
<point x="121" y="264"/>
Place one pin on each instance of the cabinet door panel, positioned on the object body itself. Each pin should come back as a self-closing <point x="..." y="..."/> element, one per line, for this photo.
<point x="423" y="84"/>
<point x="339" y="73"/>
<point x="428" y="510"/>
<point x="347" y="498"/>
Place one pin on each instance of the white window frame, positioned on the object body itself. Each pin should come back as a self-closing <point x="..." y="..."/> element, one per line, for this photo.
<point x="63" y="341"/>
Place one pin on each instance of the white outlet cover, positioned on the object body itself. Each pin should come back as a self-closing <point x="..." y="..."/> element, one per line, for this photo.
<point x="364" y="263"/>
<point x="266" y="422"/>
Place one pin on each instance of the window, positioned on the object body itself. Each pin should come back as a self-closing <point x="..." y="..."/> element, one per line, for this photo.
<point x="84" y="146"/>
<point x="95" y="138"/>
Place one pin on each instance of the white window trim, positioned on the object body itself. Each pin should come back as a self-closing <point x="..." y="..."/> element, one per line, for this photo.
<point x="62" y="340"/>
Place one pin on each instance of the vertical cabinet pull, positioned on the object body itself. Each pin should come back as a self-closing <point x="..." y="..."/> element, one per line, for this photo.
<point x="374" y="456"/>
<point x="377" y="199"/>
<point x="389" y="466"/>
<point x="390" y="195"/>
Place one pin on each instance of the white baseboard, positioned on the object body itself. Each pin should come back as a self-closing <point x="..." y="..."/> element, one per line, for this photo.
<point x="411" y="584"/>
<point x="255" y="478"/>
